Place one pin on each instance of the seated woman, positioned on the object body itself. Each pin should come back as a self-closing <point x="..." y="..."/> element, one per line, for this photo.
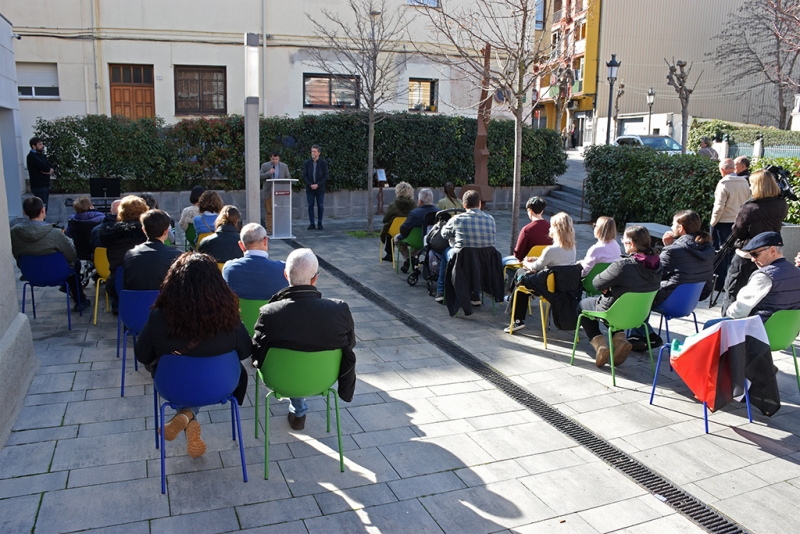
<point x="224" y="244"/>
<point x="80" y="226"/>
<point x="189" y="213"/>
<point x="196" y="314"/>
<point x="450" y="200"/>
<point x="638" y="271"/>
<point x="561" y="252"/>
<point x="152" y="203"/>
<point x="687" y="258"/>
<point x="209" y="204"/>
<point x="401" y="206"/>
<point x="606" y="250"/>
<point x="122" y="236"/>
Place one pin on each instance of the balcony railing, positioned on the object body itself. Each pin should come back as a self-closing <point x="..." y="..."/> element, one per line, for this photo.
<point x="577" y="87"/>
<point x="558" y="15"/>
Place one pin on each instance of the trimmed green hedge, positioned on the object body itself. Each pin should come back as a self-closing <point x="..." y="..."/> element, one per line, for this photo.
<point x="424" y="150"/>
<point x="740" y="134"/>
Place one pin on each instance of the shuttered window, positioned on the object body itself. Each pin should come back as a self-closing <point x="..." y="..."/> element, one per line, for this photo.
<point x="37" y="80"/>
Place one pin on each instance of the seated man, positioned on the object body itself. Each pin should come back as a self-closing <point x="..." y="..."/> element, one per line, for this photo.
<point x="35" y="237"/>
<point x="255" y="276"/>
<point x="298" y="318"/>
<point x="146" y="265"/>
<point x="774" y="286"/>
<point x="472" y="229"/>
<point x="536" y="232"/>
<point x="414" y="220"/>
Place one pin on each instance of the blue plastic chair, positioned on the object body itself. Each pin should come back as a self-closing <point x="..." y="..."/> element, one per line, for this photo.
<point x="51" y="270"/>
<point x="134" y="308"/>
<point x="192" y="382"/>
<point x="680" y="303"/>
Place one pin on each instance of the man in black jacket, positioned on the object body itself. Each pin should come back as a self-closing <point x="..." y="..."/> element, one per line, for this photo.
<point x="315" y="174"/>
<point x="39" y="170"/>
<point x="146" y="265"/>
<point x="298" y="318"/>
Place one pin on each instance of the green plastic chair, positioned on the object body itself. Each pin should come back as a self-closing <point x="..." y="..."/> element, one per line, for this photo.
<point x="191" y="236"/>
<point x="782" y="329"/>
<point x="628" y="311"/>
<point x="587" y="280"/>
<point x="414" y="242"/>
<point x="295" y="374"/>
<point x="248" y="311"/>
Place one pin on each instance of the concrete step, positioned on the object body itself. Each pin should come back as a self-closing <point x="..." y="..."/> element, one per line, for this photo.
<point x="554" y="205"/>
<point x="571" y="188"/>
<point x="566" y="196"/>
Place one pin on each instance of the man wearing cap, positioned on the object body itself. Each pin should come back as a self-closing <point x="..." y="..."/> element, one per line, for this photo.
<point x="773" y="287"/>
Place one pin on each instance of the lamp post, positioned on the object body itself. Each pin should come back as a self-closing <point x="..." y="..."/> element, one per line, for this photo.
<point x="651" y="97"/>
<point x="613" y="67"/>
<point x="252" y="76"/>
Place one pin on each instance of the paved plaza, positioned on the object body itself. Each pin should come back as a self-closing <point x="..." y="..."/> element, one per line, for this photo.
<point x="429" y="445"/>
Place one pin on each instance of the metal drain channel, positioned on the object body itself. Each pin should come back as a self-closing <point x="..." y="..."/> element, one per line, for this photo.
<point x="682" y="502"/>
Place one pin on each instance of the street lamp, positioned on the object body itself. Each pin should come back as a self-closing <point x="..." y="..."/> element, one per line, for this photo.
<point x="252" y="76"/>
<point x="613" y="67"/>
<point x="651" y="97"/>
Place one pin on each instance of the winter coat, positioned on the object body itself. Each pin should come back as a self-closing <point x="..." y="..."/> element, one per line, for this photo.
<point x="637" y="273"/>
<point x="32" y="238"/>
<point x="756" y="216"/>
<point x="685" y="262"/>
<point x="399" y="207"/>
<point x="222" y="245"/>
<point x="119" y="239"/>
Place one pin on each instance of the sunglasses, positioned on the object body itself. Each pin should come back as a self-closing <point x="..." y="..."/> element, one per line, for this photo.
<point x="756" y="253"/>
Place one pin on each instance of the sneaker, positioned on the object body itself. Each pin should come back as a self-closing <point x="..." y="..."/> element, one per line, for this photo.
<point x="297" y="423"/>
<point x="639" y="343"/>
<point x="312" y="227"/>
<point x="319" y="226"/>
<point x="62" y="289"/>
<point x="439" y="297"/>
<point x="85" y="303"/>
<point x="387" y="258"/>
<point x="404" y="268"/>
<point x="475" y="302"/>
<point x="518" y="325"/>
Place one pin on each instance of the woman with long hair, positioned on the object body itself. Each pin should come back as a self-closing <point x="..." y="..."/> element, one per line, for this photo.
<point x="223" y="245"/>
<point x="450" y="200"/>
<point x="765" y="212"/>
<point x="606" y="249"/>
<point x="561" y="252"/>
<point x="401" y="206"/>
<point x="196" y="314"/>
<point x="638" y="271"/>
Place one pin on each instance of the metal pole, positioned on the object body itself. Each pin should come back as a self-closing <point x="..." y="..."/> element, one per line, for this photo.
<point x="610" y="102"/>
<point x="253" y="202"/>
<point x="650" y="120"/>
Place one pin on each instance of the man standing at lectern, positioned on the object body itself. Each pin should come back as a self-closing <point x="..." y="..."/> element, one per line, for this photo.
<point x="272" y="170"/>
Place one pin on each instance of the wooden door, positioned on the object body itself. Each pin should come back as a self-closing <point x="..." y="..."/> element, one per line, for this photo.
<point x="132" y="91"/>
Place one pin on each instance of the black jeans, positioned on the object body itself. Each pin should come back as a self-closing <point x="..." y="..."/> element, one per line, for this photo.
<point x="43" y="193"/>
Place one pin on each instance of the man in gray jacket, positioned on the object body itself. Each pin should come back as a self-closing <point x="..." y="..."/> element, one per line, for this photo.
<point x="34" y="237"/>
<point x="272" y="170"/>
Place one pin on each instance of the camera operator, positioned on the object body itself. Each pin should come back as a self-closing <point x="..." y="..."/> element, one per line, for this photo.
<point x="764" y="212"/>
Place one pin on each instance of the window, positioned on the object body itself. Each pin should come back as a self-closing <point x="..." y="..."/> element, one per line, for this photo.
<point x="422" y="94"/>
<point x="330" y="91"/>
<point x="132" y="74"/>
<point x="424" y="3"/>
<point x="200" y="91"/>
<point x="539" y="11"/>
<point x="37" y="80"/>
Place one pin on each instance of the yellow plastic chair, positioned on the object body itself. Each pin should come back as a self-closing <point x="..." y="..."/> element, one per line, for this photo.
<point x="103" y="269"/>
<point x="202" y="236"/>
<point x="534" y="251"/>
<point x="394" y="229"/>
<point x="220" y="265"/>
<point x="544" y="306"/>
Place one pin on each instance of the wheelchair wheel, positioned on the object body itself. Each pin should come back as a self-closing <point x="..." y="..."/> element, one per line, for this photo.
<point x="413" y="278"/>
<point x="431" y="289"/>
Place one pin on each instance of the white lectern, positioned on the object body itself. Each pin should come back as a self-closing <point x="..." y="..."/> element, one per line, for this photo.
<point x="281" y="208"/>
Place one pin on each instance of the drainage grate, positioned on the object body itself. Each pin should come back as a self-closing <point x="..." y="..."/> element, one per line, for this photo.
<point x="684" y="503"/>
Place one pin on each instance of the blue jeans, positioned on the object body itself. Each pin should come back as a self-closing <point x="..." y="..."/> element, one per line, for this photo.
<point x="298" y="407"/>
<point x="318" y="195"/>
<point x="712" y="322"/>
<point x="446" y="256"/>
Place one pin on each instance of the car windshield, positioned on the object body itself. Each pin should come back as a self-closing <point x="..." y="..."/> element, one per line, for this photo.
<point x="661" y="143"/>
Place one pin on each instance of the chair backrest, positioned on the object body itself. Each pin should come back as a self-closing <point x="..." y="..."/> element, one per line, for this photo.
<point x="551" y="283"/>
<point x="202" y="236"/>
<point x="191" y="234"/>
<point x="682" y="301"/>
<point x="414" y="239"/>
<point x="630" y="310"/>
<point x="248" y="311"/>
<point x="197" y="380"/>
<point x="394" y="228"/>
<point x="587" y="280"/>
<point x="43" y="271"/>
<point x="536" y="251"/>
<point x="782" y="328"/>
<point x="134" y="308"/>
<point x="81" y="237"/>
<point x="101" y="264"/>
<point x="220" y="265"/>
<point x="293" y="373"/>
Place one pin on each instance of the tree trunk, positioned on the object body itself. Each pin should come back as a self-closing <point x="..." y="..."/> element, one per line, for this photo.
<point x="684" y="125"/>
<point x="370" y="165"/>
<point x="515" y="197"/>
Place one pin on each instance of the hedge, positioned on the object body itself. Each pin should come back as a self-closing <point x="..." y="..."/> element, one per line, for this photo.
<point x="424" y="150"/>
<point x="739" y="134"/>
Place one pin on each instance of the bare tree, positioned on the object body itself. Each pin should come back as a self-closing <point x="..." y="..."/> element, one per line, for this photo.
<point x="678" y="78"/>
<point x="620" y="92"/>
<point x="363" y="53"/>
<point x="521" y="49"/>
<point x="760" y="46"/>
<point x="564" y="77"/>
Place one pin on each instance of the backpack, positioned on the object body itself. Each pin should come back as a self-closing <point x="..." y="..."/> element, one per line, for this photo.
<point x="436" y="242"/>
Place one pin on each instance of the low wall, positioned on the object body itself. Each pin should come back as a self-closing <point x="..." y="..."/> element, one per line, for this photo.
<point x="337" y="205"/>
<point x="18" y="365"/>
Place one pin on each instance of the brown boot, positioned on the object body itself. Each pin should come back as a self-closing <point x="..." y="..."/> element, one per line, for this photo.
<point x="621" y="348"/>
<point x="601" y="350"/>
<point x="177" y="424"/>
<point x="195" y="445"/>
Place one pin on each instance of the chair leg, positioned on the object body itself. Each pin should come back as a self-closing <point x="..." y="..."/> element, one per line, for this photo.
<point x="155" y="413"/>
<point x="233" y="420"/>
<point x="69" y="314"/>
<point x="96" y="299"/>
<point x="135" y="361"/>
<point x="661" y="320"/>
<point x="611" y="358"/>
<point x="658" y="366"/>
<point x="80" y="290"/>
<point x="796" y="370"/>
<point x="235" y="413"/>
<point x="258" y="379"/>
<point x="649" y="348"/>
<point x="696" y="329"/>
<point x="339" y="431"/>
<point x="666" y="320"/>
<point x="705" y="415"/>
<point x="124" y="355"/>
<point x="543" y="315"/>
<point x="328" y="411"/>
<point x="24" y="290"/>
<point x="266" y="436"/>
<point x="747" y="400"/>
<point x="33" y="303"/>
<point x="119" y="333"/>
<point x="514" y="312"/>
<point x="163" y="466"/>
<point x="575" y="341"/>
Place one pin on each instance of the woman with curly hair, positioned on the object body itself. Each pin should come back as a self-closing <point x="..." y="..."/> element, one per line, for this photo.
<point x="209" y="205"/>
<point x="122" y="236"/>
<point x="401" y="206"/>
<point x="224" y="244"/>
<point x="196" y="314"/>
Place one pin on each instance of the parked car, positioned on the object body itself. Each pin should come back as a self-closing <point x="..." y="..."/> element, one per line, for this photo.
<point x="661" y="143"/>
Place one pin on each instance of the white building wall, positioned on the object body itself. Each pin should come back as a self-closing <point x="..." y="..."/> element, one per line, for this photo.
<point x="10" y="141"/>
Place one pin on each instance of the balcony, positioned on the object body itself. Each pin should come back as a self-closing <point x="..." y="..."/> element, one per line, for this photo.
<point x="577" y="87"/>
<point x="580" y="47"/>
<point x="558" y="15"/>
